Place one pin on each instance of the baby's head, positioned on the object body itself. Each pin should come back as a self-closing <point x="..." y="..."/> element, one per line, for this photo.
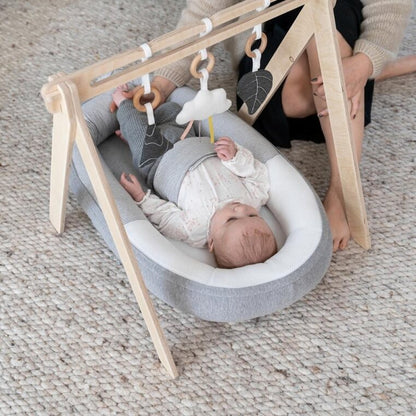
<point x="239" y="236"/>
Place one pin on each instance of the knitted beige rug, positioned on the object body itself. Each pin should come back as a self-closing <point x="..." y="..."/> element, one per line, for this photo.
<point x="72" y="338"/>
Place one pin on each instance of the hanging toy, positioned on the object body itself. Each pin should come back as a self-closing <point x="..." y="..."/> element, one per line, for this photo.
<point x="154" y="144"/>
<point x="254" y="86"/>
<point x="206" y="102"/>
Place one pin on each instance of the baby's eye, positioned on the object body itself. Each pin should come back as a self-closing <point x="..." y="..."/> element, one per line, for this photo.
<point x="253" y="215"/>
<point x="231" y="219"/>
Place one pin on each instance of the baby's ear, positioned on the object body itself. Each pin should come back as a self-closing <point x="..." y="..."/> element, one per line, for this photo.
<point x="210" y="244"/>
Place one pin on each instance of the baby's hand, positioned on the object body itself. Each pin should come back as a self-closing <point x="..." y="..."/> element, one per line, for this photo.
<point x="120" y="94"/>
<point x="131" y="184"/>
<point x="225" y="148"/>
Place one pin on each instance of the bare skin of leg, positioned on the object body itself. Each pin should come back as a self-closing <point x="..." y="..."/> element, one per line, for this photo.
<point x="298" y="101"/>
<point x="333" y="201"/>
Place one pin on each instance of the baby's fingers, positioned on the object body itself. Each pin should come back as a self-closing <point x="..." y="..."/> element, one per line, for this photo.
<point x="222" y="140"/>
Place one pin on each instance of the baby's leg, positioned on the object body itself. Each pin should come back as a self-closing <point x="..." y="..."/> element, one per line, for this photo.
<point x="146" y="143"/>
<point x="165" y="117"/>
<point x="100" y="121"/>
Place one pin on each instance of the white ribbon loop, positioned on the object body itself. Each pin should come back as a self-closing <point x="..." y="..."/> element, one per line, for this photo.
<point x="146" y="84"/>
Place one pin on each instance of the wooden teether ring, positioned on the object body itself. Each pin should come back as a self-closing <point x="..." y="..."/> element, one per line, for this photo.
<point x="250" y="42"/>
<point x="194" y="65"/>
<point x="138" y="96"/>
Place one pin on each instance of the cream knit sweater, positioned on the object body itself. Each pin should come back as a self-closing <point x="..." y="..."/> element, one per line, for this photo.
<point x="381" y="33"/>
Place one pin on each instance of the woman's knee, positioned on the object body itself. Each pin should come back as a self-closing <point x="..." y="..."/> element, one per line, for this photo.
<point x="297" y="99"/>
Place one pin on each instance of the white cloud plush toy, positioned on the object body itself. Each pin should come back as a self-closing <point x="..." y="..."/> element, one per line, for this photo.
<point x="205" y="104"/>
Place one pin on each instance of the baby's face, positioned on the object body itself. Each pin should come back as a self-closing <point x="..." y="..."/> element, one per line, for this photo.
<point x="233" y="219"/>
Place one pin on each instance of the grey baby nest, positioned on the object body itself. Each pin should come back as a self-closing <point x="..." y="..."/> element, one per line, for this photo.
<point x="186" y="277"/>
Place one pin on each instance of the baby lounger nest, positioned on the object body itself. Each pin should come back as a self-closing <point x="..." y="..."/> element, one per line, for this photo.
<point x="186" y="277"/>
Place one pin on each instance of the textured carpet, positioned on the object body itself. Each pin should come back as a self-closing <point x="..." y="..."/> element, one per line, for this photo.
<point x="72" y="338"/>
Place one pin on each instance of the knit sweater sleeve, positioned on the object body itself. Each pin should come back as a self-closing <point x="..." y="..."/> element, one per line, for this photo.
<point x="195" y="10"/>
<point x="169" y="219"/>
<point x="382" y="30"/>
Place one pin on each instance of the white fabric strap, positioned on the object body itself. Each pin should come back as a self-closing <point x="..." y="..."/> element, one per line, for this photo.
<point x="150" y="115"/>
<point x="208" y="28"/>
<point x="145" y="78"/>
<point x="204" y="80"/>
<point x="256" y="60"/>
<point x="147" y="51"/>
<point x="204" y="54"/>
<point x="266" y="4"/>
<point x="258" y="31"/>
<point x="146" y="84"/>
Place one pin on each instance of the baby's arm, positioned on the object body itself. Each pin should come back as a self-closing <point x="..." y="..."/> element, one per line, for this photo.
<point x="252" y="172"/>
<point x="225" y="148"/>
<point x="164" y="215"/>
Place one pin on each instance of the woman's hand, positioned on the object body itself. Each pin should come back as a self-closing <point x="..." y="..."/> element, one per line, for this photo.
<point x="163" y="85"/>
<point x="357" y="70"/>
<point x="119" y="95"/>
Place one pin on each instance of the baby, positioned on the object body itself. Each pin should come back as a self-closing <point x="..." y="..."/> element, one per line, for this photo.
<point x="208" y="194"/>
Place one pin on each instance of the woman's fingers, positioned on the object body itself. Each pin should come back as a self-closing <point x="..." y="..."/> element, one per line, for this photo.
<point x="355" y="104"/>
<point x="318" y="87"/>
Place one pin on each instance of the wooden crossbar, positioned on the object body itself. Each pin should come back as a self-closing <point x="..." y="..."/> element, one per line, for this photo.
<point x="84" y="79"/>
<point x="63" y="95"/>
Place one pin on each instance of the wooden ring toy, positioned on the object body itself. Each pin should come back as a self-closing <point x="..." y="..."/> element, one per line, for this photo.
<point x="250" y="42"/>
<point x="197" y="60"/>
<point x="139" y="94"/>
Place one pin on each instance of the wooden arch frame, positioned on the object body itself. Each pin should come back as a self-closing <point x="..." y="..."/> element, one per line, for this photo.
<point x="63" y="95"/>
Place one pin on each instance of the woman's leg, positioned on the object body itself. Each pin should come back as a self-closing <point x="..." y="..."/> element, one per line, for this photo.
<point x="333" y="201"/>
<point x="298" y="101"/>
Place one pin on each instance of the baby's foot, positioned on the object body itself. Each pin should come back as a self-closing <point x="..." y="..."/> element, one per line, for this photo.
<point x="120" y="136"/>
<point x="131" y="184"/>
<point x="337" y="220"/>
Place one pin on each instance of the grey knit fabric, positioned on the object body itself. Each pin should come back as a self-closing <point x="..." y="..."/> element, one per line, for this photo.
<point x="185" y="155"/>
<point x="146" y="142"/>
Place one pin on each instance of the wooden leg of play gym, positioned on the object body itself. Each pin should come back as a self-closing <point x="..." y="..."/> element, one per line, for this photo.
<point x="108" y="206"/>
<point x="63" y="136"/>
<point x="330" y="63"/>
